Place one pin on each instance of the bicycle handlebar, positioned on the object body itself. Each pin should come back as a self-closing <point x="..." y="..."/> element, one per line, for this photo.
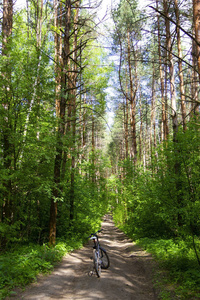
<point x="95" y="234"/>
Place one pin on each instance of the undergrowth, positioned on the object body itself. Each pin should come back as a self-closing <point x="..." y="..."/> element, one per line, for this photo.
<point x="21" y="264"/>
<point x="178" y="276"/>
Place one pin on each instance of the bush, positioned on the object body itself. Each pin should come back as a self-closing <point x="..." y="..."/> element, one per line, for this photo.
<point x="20" y="266"/>
<point x="179" y="260"/>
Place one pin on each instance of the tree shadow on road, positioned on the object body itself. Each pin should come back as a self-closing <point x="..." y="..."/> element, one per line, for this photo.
<point x="128" y="277"/>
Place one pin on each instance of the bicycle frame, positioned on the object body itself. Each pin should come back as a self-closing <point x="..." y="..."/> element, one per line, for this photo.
<point x="100" y="257"/>
<point x="96" y="241"/>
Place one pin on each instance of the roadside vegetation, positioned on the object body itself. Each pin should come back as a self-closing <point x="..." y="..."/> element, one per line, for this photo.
<point x="22" y="264"/>
<point x="61" y="169"/>
<point x="155" y="183"/>
<point x="177" y="275"/>
<point x="159" y="210"/>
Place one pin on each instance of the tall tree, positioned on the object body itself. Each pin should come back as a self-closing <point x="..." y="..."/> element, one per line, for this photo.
<point x="132" y="98"/>
<point x="73" y="104"/>
<point x="196" y="16"/>
<point x="164" y="127"/>
<point x="7" y="26"/>
<point x="166" y="7"/>
<point x="181" y="79"/>
<point x="61" y="110"/>
<point x="153" y="113"/>
<point x="127" y="36"/>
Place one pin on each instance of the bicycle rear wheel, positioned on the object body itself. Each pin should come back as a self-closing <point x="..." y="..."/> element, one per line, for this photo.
<point x="97" y="264"/>
<point x="105" y="262"/>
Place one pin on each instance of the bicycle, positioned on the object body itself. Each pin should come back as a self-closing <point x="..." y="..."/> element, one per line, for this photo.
<point x="100" y="256"/>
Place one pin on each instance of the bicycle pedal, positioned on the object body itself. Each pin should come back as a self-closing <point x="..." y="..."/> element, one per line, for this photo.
<point x="90" y="273"/>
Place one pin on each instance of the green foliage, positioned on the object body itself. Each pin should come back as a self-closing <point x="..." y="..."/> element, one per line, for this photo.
<point x="160" y="206"/>
<point x="27" y="136"/>
<point x="164" y="200"/>
<point x="90" y="201"/>
<point x="179" y="260"/>
<point x="28" y="133"/>
<point x="22" y="264"/>
<point x="126" y="16"/>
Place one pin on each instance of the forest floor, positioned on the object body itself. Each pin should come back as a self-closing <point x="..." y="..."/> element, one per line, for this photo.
<point x="129" y="277"/>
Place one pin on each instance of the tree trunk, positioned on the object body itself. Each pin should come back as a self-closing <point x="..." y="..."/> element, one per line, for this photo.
<point x="153" y="114"/>
<point x="73" y="94"/>
<point x="126" y="118"/>
<point x="171" y="71"/>
<point x="196" y="18"/>
<point x="164" y="125"/>
<point x="7" y="97"/>
<point x="196" y="54"/>
<point x="141" y="132"/>
<point x="7" y="24"/>
<point x="93" y="148"/>
<point x="39" y="56"/>
<point x="60" y="112"/>
<point x="195" y="81"/>
<point x="181" y="80"/>
<point x="177" y="166"/>
<point x="132" y="103"/>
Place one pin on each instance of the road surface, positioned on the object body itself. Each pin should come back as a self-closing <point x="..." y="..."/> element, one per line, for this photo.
<point x="128" y="278"/>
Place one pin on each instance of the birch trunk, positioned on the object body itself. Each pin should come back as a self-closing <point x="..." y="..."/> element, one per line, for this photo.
<point x="141" y="132"/>
<point x="164" y="125"/>
<point x="132" y="103"/>
<point x="38" y="44"/>
<point x="171" y="71"/>
<point x="153" y="115"/>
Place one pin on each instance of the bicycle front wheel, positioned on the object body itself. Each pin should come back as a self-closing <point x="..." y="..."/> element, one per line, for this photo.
<point x="105" y="262"/>
<point x="97" y="264"/>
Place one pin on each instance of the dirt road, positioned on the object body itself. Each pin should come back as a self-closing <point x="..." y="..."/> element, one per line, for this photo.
<point x="128" y="278"/>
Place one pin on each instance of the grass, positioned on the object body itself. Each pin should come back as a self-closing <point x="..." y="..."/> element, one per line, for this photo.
<point x="21" y="265"/>
<point x="178" y="276"/>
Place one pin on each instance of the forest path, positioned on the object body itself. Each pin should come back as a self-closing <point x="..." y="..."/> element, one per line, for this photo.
<point x="128" y="278"/>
